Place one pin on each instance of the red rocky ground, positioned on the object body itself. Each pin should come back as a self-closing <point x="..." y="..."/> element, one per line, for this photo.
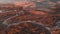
<point x="16" y="19"/>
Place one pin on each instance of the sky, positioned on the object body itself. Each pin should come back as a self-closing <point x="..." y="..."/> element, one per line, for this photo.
<point x="10" y="0"/>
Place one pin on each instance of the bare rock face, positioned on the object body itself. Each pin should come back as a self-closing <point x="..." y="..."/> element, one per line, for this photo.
<point x="32" y="17"/>
<point x="26" y="28"/>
